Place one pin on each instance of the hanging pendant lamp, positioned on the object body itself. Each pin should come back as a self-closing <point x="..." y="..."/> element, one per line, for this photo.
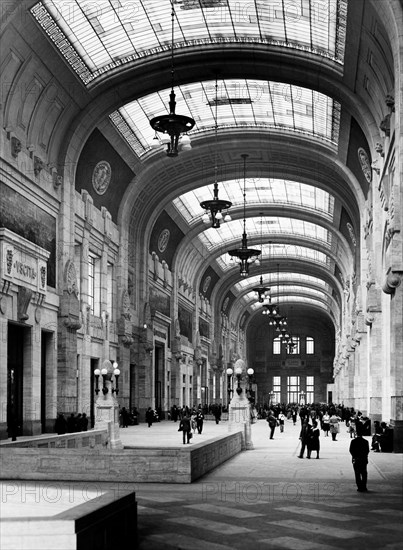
<point x="214" y="208"/>
<point x="244" y="254"/>
<point x="262" y="292"/>
<point x="173" y="126"/>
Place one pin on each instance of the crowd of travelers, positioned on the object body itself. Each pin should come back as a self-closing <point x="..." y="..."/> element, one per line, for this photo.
<point x="73" y="423"/>
<point x="215" y="409"/>
<point x="328" y="418"/>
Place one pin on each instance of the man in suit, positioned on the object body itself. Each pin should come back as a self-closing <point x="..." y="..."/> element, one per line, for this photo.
<point x="271" y="419"/>
<point x="359" y="450"/>
<point x="304" y="436"/>
<point x="199" y="420"/>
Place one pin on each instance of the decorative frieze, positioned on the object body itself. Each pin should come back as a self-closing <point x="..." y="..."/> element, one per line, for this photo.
<point x="16" y="147"/>
<point x="22" y="262"/>
<point x="38" y="166"/>
<point x="23" y="300"/>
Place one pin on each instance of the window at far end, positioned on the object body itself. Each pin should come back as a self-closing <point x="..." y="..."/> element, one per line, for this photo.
<point x="310" y="348"/>
<point x="276" y="346"/>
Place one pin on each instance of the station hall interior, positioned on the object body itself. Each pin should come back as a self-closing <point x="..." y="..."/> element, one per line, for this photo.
<point x="185" y="184"/>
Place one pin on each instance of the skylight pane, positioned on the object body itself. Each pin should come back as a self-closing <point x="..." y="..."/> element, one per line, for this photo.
<point x="106" y="33"/>
<point x="259" y="190"/>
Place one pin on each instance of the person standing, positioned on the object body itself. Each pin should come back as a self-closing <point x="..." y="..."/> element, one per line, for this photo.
<point x="334" y="425"/>
<point x="149" y="416"/>
<point x="281" y="419"/>
<point x="185" y="428"/>
<point x="304" y="436"/>
<point x="313" y="443"/>
<point x="325" y="423"/>
<point x="125" y="417"/>
<point x="60" y="424"/>
<point x="71" y="424"/>
<point x="271" y="419"/>
<point x="359" y="450"/>
<point x="199" y="420"/>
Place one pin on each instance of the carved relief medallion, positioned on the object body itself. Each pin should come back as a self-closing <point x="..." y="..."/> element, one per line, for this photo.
<point x="352" y="234"/>
<point x="163" y="240"/>
<point x="365" y="164"/>
<point x="206" y="284"/>
<point x="101" y="177"/>
<point x="71" y="278"/>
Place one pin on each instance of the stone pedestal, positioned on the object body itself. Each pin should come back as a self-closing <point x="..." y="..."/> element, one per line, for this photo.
<point x="239" y="417"/>
<point x="107" y="417"/>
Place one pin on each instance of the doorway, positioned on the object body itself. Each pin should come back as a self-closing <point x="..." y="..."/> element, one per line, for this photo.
<point x="159" y="377"/>
<point x="46" y="346"/>
<point x="15" y="369"/>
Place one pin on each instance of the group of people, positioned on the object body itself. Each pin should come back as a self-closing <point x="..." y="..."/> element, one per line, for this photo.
<point x="128" y="417"/>
<point x="382" y="439"/>
<point x="73" y="423"/>
<point x="312" y="421"/>
<point x="215" y="409"/>
<point x="190" y="422"/>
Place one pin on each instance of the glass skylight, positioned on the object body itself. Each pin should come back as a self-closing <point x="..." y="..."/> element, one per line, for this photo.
<point x="270" y="279"/>
<point x="259" y="191"/>
<point x="98" y="36"/>
<point x="272" y="225"/>
<point x="242" y="103"/>
<point x="253" y="305"/>
<point x="289" y="251"/>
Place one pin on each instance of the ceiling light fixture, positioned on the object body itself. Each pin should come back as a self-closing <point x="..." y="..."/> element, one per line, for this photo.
<point x="262" y="292"/>
<point x="216" y="206"/>
<point x="244" y="254"/>
<point x="172" y="126"/>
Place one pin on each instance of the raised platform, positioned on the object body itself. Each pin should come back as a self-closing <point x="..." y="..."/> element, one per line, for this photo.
<point x="153" y="455"/>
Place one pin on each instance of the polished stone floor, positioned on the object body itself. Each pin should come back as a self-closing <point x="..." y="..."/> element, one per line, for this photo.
<point x="262" y="498"/>
<point x="268" y="498"/>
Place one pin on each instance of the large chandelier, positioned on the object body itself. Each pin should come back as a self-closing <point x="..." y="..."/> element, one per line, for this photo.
<point x="172" y="126"/>
<point x="214" y="208"/>
<point x="261" y="291"/>
<point x="244" y="254"/>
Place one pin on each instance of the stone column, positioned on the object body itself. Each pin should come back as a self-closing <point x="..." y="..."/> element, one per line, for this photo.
<point x="68" y="323"/>
<point x="393" y="286"/>
<point x="375" y="368"/>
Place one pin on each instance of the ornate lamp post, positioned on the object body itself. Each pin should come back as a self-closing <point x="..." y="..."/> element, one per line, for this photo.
<point x="230" y="390"/>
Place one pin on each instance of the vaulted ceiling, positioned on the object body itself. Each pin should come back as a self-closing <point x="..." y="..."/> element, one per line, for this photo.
<point x="295" y="85"/>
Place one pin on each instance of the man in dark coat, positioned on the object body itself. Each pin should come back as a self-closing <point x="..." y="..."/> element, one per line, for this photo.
<point x="199" y="420"/>
<point x="185" y="427"/>
<point x="271" y="419"/>
<point x="304" y="436"/>
<point x="359" y="450"/>
<point x="149" y="417"/>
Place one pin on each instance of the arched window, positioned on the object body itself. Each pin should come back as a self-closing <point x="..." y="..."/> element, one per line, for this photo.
<point x="310" y="347"/>
<point x="295" y="349"/>
<point x="276" y="346"/>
